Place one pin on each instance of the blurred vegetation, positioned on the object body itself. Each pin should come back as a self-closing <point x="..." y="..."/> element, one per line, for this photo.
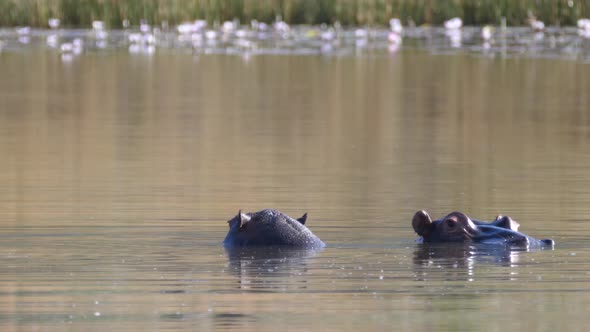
<point x="80" y="13"/>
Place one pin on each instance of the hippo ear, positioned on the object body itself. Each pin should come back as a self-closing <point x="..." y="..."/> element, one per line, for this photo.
<point x="302" y="219"/>
<point x="244" y="218"/>
<point x="422" y="223"/>
<point x="506" y="222"/>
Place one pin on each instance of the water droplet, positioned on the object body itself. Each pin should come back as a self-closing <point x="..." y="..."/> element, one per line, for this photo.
<point x="97" y="314"/>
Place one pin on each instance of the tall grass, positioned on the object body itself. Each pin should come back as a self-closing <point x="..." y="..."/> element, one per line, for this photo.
<point x="80" y="13"/>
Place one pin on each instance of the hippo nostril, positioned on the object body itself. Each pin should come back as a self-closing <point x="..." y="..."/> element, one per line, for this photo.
<point x="450" y="223"/>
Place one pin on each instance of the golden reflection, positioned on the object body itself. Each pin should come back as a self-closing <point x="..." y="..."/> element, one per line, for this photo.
<point x="168" y="140"/>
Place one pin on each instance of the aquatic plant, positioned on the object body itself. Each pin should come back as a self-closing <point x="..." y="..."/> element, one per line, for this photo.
<point x="80" y="13"/>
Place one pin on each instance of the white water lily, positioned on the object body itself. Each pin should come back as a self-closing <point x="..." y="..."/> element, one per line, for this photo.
<point x="53" y="23"/>
<point x="453" y="24"/>
<point x="395" y="24"/>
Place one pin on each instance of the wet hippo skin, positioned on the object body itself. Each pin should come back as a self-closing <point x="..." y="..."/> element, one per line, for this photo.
<point x="458" y="227"/>
<point x="270" y="228"/>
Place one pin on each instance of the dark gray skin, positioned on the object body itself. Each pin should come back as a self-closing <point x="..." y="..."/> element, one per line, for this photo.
<point x="458" y="227"/>
<point x="270" y="228"/>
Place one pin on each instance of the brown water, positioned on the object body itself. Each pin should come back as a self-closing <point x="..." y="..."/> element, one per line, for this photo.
<point x="118" y="173"/>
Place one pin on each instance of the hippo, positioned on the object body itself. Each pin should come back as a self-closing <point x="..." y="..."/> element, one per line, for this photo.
<point x="270" y="228"/>
<point x="458" y="227"/>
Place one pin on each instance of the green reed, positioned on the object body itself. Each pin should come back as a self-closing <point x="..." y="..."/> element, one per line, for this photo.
<point x="80" y="13"/>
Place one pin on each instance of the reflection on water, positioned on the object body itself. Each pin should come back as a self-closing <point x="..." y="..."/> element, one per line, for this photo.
<point x="465" y="256"/>
<point x="460" y="261"/>
<point x="118" y="174"/>
<point x="267" y="269"/>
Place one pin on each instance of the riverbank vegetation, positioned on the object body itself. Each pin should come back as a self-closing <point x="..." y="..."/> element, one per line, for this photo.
<point x="80" y="13"/>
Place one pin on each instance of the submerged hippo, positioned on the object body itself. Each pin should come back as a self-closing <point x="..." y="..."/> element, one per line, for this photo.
<point x="457" y="227"/>
<point x="270" y="228"/>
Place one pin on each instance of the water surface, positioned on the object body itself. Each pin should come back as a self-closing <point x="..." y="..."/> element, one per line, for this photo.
<point x="119" y="173"/>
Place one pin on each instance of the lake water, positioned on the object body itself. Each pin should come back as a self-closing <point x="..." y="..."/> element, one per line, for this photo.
<point x="118" y="174"/>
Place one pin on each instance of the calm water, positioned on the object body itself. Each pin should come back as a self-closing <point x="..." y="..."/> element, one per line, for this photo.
<point x="118" y="173"/>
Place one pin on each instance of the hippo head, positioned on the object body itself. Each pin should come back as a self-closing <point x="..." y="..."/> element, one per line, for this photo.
<point x="241" y="220"/>
<point x="270" y="227"/>
<point x="455" y="227"/>
<point x="458" y="227"/>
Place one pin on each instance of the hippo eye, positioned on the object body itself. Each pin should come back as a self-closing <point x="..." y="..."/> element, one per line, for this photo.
<point x="450" y="223"/>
